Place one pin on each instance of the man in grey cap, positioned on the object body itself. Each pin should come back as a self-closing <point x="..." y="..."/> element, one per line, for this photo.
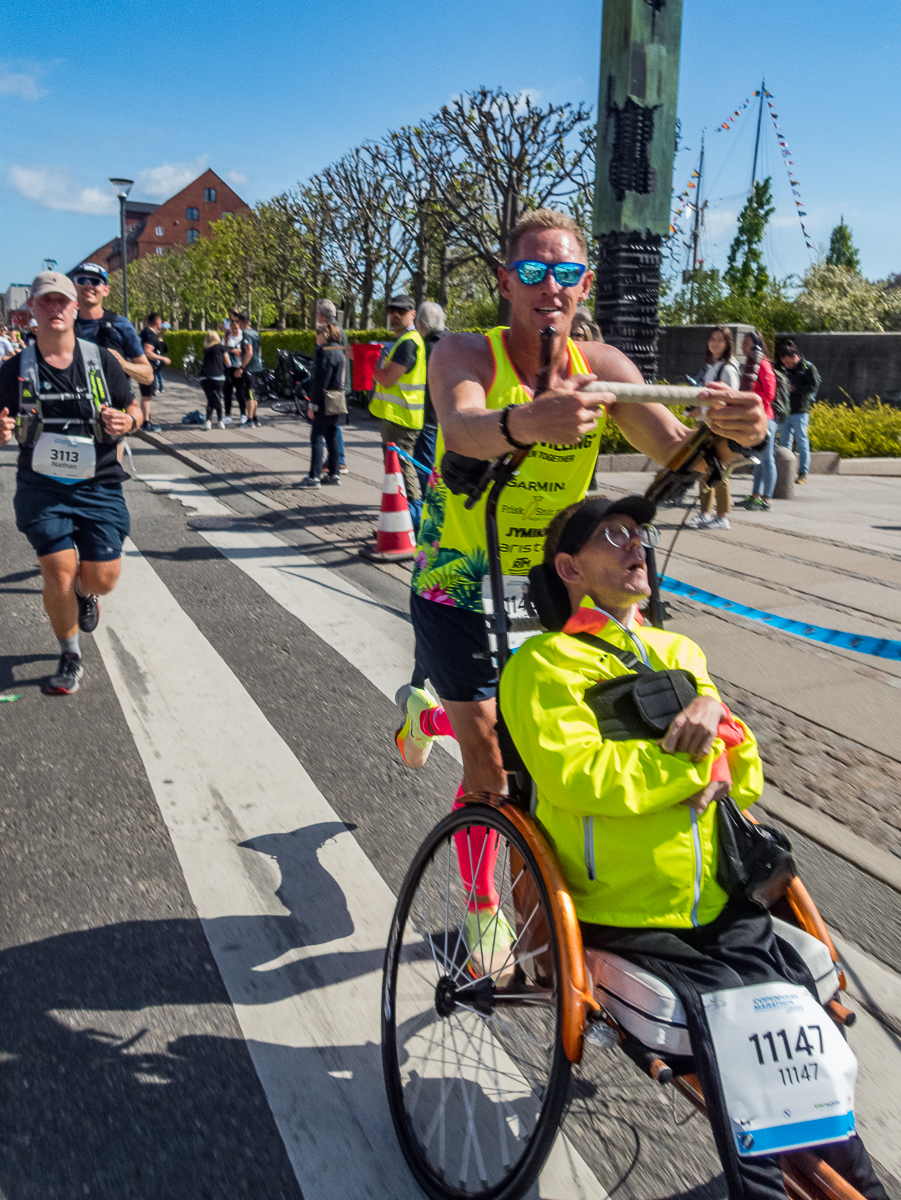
<point x="69" y="403"/>
<point x="399" y="398"/>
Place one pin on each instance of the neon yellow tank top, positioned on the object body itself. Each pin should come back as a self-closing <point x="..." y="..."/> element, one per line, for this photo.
<point x="451" y="553"/>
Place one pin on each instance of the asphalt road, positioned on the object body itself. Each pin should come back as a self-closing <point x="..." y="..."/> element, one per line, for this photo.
<point x="200" y="855"/>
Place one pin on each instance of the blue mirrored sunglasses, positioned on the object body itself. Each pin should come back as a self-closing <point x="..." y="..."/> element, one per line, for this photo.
<point x="88" y="280"/>
<point x="567" y="274"/>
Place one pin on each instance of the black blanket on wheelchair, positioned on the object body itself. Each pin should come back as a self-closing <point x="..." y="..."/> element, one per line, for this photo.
<point x="738" y="948"/>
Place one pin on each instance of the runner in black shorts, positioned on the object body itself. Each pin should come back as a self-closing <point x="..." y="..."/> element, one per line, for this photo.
<point x="68" y="403"/>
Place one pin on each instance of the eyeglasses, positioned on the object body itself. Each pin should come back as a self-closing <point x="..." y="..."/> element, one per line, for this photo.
<point x="620" y="537"/>
<point x="88" y="280"/>
<point x="530" y="272"/>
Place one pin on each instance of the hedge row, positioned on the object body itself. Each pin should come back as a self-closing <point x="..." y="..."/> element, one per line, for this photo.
<point x="871" y="430"/>
<point x="301" y="340"/>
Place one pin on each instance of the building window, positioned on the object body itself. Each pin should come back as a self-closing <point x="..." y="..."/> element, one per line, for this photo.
<point x="159" y="249"/>
<point x="209" y="194"/>
<point x="193" y="214"/>
<point x="193" y="236"/>
<point x="160" y="231"/>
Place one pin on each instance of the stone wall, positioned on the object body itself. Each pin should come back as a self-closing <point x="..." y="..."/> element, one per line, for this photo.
<point x="859" y="364"/>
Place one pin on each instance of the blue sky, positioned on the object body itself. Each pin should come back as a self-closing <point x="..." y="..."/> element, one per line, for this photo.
<point x="268" y="93"/>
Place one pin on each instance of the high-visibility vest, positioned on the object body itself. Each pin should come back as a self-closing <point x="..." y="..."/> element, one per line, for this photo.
<point x="404" y="404"/>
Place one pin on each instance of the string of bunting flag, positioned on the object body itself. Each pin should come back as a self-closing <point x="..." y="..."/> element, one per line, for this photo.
<point x="789" y="166"/>
<point x="727" y="124"/>
<point x="682" y="202"/>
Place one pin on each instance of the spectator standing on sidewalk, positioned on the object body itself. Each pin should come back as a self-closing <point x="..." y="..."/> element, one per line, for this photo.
<point x="7" y="347"/>
<point x="327" y="391"/>
<point x="106" y="328"/>
<point x="327" y="314"/>
<point x="720" y="366"/>
<point x="771" y="388"/>
<point x="250" y="369"/>
<point x="803" y="383"/>
<point x="399" y="399"/>
<point x="431" y="324"/>
<point x="234" y="340"/>
<point x="152" y="345"/>
<point x="212" y="376"/>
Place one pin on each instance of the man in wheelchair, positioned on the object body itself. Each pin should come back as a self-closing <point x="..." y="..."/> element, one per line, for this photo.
<point x="631" y="813"/>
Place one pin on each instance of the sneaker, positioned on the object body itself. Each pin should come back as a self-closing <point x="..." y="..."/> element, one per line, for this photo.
<point x="699" y="521"/>
<point x="759" y="504"/>
<point x="151" y="428"/>
<point x="489" y="940"/>
<point x="88" y="613"/>
<point x="243" y="419"/>
<point x="343" y="469"/>
<point x="67" y="677"/>
<point x="256" y="422"/>
<point x="332" y="480"/>
<point x="413" y="744"/>
<point x="226" y="421"/>
<point x="209" y="425"/>
<point x="222" y="424"/>
<point x="309" y="482"/>
<point x="719" y="523"/>
<point x="801" y="479"/>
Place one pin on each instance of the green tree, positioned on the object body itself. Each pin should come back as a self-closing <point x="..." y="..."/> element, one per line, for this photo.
<point x="836" y="298"/>
<point x="745" y="276"/>
<point x="842" y="251"/>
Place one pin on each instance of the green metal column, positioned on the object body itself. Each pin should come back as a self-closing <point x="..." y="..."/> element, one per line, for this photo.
<point x="636" y="146"/>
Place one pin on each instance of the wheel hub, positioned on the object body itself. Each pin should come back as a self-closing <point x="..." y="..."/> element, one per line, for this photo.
<point x="445" y="997"/>
<point x="480" y="996"/>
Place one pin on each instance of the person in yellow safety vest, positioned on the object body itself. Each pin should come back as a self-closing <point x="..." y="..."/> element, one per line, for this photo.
<point x="399" y="399"/>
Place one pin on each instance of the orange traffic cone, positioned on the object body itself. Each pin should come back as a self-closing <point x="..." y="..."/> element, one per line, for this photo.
<point x="394" y="541"/>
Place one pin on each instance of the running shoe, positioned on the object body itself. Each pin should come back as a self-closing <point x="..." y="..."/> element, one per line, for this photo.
<point x="308" y="481"/>
<point x="67" y="677"/>
<point x="332" y="480"/>
<point x="226" y="421"/>
<point x="719" y="523"/>
<point x="489" y="940"/>
<point x="413" y="744"/>
<point x="243" y="419"/>
<point x="88" y="613"/>
<point x="699" y="521"/>
<point x="343" y="468"/>
<point x="759" y="504"/>
<point x="209" y="425"/>
<point x="222" y="424"/>
<point x="151" y="428"/>
<point x="256" y="422"/>
<point x="801" y="479"/>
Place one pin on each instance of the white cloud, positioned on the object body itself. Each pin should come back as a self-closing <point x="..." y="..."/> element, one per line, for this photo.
<point x="55" y="189"/>
<point x="235" y="177"/>
<point x="170" y="178"/>
<point x="525" y="97"/>
<point x="17" y="83"/>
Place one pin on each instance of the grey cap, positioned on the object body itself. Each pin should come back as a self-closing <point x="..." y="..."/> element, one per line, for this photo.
<point x="53" y="281"/>
<point x="402" y="301"/>
<point x="327" y="309"/>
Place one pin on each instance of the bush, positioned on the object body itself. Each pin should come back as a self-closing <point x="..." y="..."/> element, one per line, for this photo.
<point x="871" y="430"/>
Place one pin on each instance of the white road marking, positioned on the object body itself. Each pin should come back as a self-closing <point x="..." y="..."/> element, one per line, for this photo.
<point x="279" y="884"/>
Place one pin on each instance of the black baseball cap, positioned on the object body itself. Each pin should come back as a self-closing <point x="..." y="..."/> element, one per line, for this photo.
<point x="88" y="268"/>
<point x="403" y="302"/>
<point x="585" y="520"/>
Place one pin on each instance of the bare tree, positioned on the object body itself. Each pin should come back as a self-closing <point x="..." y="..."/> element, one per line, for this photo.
<point x="511" y="155"/>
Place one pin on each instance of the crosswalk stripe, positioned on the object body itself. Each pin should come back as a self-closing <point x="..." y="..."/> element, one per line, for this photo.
<point x="295" y="913"/>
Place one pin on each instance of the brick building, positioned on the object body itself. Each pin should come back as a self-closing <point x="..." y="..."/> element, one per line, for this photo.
<point x="180" y="221"/>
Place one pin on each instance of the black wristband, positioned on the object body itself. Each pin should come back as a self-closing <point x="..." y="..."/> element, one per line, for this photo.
<point x="134" y="423"/>
<point x="504" y="418"/>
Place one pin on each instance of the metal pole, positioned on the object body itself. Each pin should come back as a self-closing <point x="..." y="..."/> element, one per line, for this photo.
<point x="124" y="255"/>
<point x="757" y="140"/>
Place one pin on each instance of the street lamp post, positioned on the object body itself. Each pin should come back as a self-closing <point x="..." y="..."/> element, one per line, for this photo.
<point x="122" y="187"/>
<point x="50" y="264"/>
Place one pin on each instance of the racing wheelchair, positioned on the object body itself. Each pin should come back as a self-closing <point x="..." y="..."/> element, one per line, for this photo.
<point x="479" y="1045"/>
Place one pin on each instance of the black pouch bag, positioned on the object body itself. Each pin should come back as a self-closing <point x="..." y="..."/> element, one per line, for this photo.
<point x="754" y="862"/>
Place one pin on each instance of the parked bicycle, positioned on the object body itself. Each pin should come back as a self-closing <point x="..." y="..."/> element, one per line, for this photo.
<point x="291" y="383"/>
<point x="191" y="366"/>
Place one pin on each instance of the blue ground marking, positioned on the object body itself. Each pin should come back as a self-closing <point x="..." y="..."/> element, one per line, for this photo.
<point x="862" y="643"/>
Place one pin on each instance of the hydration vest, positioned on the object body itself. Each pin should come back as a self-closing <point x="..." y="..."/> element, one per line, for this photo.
<point x="31" y="422"/>
<point x="404" y="403"/>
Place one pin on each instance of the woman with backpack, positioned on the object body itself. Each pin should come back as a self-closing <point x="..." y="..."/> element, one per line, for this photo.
<point x="720" y="367"/>
<point x="767" y="387"/>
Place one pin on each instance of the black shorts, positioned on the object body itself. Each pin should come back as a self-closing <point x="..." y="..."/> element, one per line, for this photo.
<point x="146" y="390"/>
<point x="452" y="650"/>
<point x="59" y="516"/>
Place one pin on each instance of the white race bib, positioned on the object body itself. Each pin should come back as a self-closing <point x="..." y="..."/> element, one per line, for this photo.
<point x="515" y="588"/>
<point x="65" y="459"/>
<point x="788" y="1075"/>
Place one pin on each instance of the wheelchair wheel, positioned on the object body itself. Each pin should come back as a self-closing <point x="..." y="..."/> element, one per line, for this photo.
<point x="473" y="1036"/>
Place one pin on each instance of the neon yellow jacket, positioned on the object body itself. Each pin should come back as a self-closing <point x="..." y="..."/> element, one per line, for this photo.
<point x="632" y="853"/>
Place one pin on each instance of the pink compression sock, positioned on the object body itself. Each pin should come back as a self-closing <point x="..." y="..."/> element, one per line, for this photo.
<point x="477" y="849"/>
<point x="435" y="722"/>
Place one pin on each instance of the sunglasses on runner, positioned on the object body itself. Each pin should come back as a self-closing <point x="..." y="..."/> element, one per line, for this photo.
<point x="567" y="274"/>
<point x="88" y="280"/>
<point x="620" y="537"/>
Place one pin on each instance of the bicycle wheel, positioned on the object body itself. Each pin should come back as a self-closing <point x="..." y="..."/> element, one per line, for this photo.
<point x="472" y="1036"/>
<point x="287" y="408"/>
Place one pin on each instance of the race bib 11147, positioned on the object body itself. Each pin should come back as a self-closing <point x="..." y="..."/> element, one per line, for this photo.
<point x="787" y="1073"/>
